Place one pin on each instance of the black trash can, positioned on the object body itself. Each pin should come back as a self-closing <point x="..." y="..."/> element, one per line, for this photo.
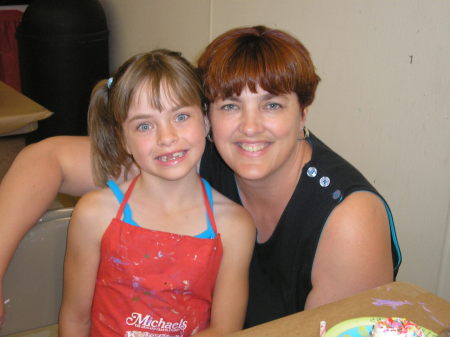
<point x="63" y="52"/>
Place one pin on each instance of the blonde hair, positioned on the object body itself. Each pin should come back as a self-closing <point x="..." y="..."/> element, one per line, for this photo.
<point x="163" y="73"/>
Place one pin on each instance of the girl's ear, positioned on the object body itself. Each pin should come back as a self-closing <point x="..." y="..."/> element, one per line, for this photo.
<point x="207" y="124"/>
<point x="125" y="143"/>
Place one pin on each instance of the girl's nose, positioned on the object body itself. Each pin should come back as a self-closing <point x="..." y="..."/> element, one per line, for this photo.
<point x="167" y="135"/>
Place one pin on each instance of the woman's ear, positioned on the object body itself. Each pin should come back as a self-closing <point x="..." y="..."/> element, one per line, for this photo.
<point x="305" y="114"/>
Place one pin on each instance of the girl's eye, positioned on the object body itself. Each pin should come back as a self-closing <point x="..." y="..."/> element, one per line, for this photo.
<point x="182" y="117"/>
<point x="229" y="107"/>
<point x="273" y="106"/>
<point x="144" y="127"/>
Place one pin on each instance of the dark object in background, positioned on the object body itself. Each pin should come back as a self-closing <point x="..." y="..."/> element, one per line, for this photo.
<point x="63" y="52"/>
<point x="14" y="2"/>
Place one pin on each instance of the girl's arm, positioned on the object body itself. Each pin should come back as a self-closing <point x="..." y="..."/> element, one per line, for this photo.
<point x="39" y="172"/>
<point x="354" y="251"/>
<point x="80" y="268"/>
<point x="231" y="289"/>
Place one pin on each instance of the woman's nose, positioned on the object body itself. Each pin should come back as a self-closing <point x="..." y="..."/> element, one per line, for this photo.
<point x="167" y="135"/>
<point x="251" y="122"/>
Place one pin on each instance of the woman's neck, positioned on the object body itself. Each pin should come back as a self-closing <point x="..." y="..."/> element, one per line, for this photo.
<point x="267" y="198"/>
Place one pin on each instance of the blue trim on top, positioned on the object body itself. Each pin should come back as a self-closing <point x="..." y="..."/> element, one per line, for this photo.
<point x="127" y="215"/>
<point x="393" y="234"/>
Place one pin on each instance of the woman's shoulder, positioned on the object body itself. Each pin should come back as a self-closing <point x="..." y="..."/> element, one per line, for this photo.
<point x="331" y="171"/>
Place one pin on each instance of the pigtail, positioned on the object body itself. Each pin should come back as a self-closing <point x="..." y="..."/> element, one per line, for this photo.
<point x="106" y="148"/>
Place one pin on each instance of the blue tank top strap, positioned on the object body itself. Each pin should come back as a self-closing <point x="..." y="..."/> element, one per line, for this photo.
<point x="127" y="215"/>
<point x="209" y="232"/>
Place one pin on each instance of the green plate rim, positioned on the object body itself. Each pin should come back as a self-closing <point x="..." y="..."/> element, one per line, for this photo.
<point x="343" y="326"/>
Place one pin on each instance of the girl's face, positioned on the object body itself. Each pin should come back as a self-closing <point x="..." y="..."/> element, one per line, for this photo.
<point x="256" y="133"/>
<point x="168" y="143"/>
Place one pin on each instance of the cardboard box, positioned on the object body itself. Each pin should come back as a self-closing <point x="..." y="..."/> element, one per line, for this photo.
<point x="397" y="299"/>
<point x="18" y="113"/>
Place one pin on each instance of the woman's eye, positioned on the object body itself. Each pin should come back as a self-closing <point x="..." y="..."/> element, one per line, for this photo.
<point x="273" y="106"/>
<point x="144" y="127"/>
<point x="182" y="117"/>
<point x="229" y="107"/>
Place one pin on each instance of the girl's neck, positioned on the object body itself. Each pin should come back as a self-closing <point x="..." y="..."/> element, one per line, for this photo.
<point x="168" y="193"/>
<point x="170" y="206"/>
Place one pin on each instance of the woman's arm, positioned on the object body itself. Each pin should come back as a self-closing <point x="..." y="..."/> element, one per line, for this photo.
<point x="31" y="184"/>
<point x="354" y="251"/>
<point x="80" y="267"/>
<point x="231" y="289"/>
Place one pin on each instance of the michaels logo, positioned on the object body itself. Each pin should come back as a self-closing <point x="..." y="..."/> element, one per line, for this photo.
<point x="147" y="322"/>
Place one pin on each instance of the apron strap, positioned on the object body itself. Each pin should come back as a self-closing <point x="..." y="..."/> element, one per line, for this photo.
<point x="125" y="198"/>
<point x="208" y="207"/>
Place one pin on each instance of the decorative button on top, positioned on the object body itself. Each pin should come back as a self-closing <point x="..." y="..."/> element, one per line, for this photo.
<point x="324" y="181"/>
<point x="311" y="172"/>
<point x="336" y="194"/>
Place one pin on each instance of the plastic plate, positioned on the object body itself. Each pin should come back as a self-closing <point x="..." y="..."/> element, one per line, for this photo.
<point x="362" y="327"/>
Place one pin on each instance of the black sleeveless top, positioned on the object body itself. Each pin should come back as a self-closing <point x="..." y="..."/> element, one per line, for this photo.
<point x="280" y="271"/>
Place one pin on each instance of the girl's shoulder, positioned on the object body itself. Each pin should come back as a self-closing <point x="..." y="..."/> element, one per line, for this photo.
<point x="97" y="206"/>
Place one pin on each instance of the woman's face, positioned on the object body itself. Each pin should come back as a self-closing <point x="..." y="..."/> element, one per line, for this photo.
<point x="256" y="133"/>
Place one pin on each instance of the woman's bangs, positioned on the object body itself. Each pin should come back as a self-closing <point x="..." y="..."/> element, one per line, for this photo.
<point x="252" y="70"/>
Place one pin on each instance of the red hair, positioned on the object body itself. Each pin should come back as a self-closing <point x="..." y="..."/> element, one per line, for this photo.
<point x="252" y="56"/>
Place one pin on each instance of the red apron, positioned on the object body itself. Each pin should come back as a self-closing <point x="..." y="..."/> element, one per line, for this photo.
<point x="152" y="283"/>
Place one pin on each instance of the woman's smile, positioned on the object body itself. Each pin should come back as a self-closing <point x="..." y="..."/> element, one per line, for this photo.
<point x="253" y="147"/>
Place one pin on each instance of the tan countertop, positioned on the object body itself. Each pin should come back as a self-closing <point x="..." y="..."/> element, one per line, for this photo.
<point x="397" y="299"/>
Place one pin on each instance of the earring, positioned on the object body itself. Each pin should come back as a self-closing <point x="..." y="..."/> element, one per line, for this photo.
<point x="305" y="134"/>
<point x="210" y="137"/>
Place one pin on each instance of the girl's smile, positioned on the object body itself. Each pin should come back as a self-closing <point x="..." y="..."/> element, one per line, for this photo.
<point x="172" y="158"/>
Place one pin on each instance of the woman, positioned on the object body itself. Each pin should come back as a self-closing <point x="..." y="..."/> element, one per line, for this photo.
<point x="324" y="233"/>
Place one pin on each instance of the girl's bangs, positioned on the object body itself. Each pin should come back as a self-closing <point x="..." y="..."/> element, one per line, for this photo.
<point x="171" y="91"/>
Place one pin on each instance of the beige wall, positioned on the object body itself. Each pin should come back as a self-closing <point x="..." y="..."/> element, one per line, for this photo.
<point x="141" y="25"/>
<point x="383" y="102"/>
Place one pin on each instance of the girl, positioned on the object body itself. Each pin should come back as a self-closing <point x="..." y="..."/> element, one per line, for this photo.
<point x="145" y="258"/>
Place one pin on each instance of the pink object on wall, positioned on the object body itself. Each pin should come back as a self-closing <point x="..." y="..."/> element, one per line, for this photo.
<point x="9" y="58"/>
